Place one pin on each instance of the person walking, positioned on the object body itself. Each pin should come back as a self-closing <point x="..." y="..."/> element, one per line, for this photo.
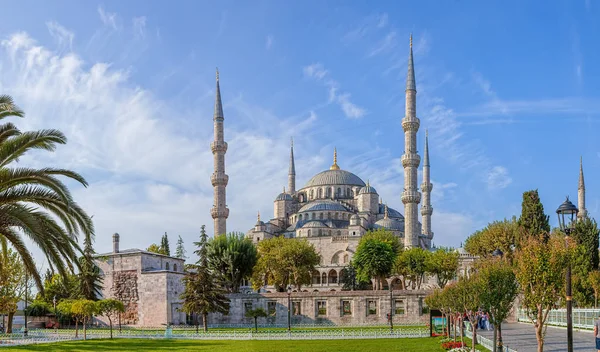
<point x="596" y="333"/>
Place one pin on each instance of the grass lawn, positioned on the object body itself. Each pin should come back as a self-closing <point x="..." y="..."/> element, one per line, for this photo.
<point x="374" y="345"/>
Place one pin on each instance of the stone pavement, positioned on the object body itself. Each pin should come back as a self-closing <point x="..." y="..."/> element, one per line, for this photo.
<point x="521" y="337"/>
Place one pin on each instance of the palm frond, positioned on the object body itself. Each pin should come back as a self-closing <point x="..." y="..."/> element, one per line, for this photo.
<point x="15" y="147"/>
<point x="9" y="108"/>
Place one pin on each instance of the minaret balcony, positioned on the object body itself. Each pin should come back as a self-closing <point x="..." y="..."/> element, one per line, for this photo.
<point x="219" y="179"/>
<point x="426" y="187"/>
<point x="217" y="213"/>
<point x="218" y="147"/>
<point x="410" y="160"/>
<point x="426" y="210"/>
<point x="411" y="124"/>
<point x="411" y="197"/>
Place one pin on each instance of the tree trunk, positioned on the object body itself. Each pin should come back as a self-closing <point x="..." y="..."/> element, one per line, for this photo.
<point x="256" y="324"/>
<point x="204" y="321"/>
<point x="84" y="330"/>
<point x="495" y="349"/>
<point x="196" y="321"/>
<point x="474" y="341"/>
<point x="9" y="322"/>
<point x="110" y="324"/>
<point x="500" y="335"/>
<point x="595" y="301"/>
<point x="538" y="335"/>
<point x="76" y="328"/>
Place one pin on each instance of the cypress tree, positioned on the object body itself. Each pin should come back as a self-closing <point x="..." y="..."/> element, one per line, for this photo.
<point x="586" y="234"/>
<point x="533" y="220"/>
<point x="180" y="250"/>
<point x="164" y="245"/>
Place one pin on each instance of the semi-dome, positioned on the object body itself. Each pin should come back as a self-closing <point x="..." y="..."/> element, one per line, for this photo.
<point x="390" y="224"/>
<point x="322" y="205"/>
<point x="283" y="196"/>
<point x="392" y="213"/>
<point x="335" y="177"/>
<point x="314" y="223"/>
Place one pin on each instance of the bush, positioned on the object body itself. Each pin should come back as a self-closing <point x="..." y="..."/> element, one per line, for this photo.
<point x="451" y="345"/>
<point x="38" y="309"/>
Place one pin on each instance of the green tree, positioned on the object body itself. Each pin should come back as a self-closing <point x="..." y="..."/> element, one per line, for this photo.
<point x="374" y="259"/>
<point x="283" y="262"/>
<point x="594" y="280"/>
<point x="533" y="220"/>
<point x="502" y="235"/>
<point x="61" y="287"/>
<point x="82" y="310"/>
<point x="232" y="257"/>
<point x="386" y="236"/>
<point x="110" y="308"/>
<point x="586" y="234"/>
<point x="12" y="281"/>
<point x="203" y="293"/>
<point x="540" y="272"/>
<point x="467" y="297"/>
<point x="154" y="248"/>
<point x="499" y="290"/>
<point x="180" y="250"/>
<point x="443" y="263"/>
<point x="255" y="314"/>
<point x="412" y="264"/>
<point x="38" y="308"/>
<point x="350" y="281"/>
<point x="36" y="204"/>
<point x="164" y="245"/>
<point x="90" y="281"/>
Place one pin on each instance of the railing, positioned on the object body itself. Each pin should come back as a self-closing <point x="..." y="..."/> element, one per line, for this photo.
<point x="485" y="342"/>
<point x="583" y="318"/>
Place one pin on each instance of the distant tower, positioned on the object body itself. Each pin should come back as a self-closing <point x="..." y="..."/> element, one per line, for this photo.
<point x="292" y="171"/>
<point x="426" y="187"/>
<point x="581" y="193"/>
<point x="219" y="179"/>
<point x="411" y="160"/>
<point x="115" y="243"/>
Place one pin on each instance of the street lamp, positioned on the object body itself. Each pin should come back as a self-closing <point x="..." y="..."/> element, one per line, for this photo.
<point x="567" y="213"/>
<point x="289" y="292"/>
<point x="497" y="253"/>
<point x="26" y="298"/>
<point x="391" y="310"/>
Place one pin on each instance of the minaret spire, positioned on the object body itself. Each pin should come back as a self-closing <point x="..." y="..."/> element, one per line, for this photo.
<point x="335" y="165"/>
<point x="292" y="171"/>
<point x="581" y="193"/>
<point x="411" y="160"/>
<point x="426" y="187"/>
<point x="219" y="179"/>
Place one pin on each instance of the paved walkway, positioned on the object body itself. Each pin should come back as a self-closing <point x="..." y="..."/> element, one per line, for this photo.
<point x="521" y="337"/>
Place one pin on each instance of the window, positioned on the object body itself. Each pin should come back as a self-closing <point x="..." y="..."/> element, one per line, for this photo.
<point x="167" y="266"/>
<point x="271" y="308"/>
<point x="424" y="307"/>
<point x="319" y="193"/>
<point x="174" y="267"/>
<point x="346" y="308"/>
<point x="328" y="216"/>
<point x="296" y="308"/>
<point x="300" y="217"/>
<point x="321" y="307"/>
<point x="339" y="192"/>
<point x="321" y="216"/>
<point x="399" y="307"/>
<point x="308" y="233"/>
<point x="312" y="193"/>
<point x="247" y="306"/>
<point x="345" y="258"/>
<point x="320" y="232"/>
<point x="335" y="216"/>
<point x="371" y="307"/>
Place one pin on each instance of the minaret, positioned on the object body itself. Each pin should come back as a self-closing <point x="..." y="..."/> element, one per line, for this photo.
<point x="581" y="193"/>
<point x="292" y="172"/>
<point x="219" y="179"/>
<point x="426" y="187"/>
<point x="411" y="160"/>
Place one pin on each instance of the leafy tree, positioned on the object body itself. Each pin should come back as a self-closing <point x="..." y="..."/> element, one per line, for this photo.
<point x="61" y="287"/>
<point x="154" y="248"/>
<point x="412" y="265"/>
<point x="283" y="262"/>
<point x="502" y="235"/>
<point x="38" y="308"/>
<point x="533" y="220"/>
<point x="443" y="263"/>
<point x="81" y="310"/>
<point x="594" y="280"/>
<point x="466" y="294"/>
<point x="349" y="279"/>
<point x="180" y="250"/>
<point x="12" y="281"/>
<point x="374" y="259"/>
<point x="110" y="308"/>
<point x="386" y="236"/>
<point x="203" y="293"/>
<point x="90" y="281"/>
<point x="164" y="245"/>
<point x="581" y="268"/>
<point x="35" y="203"/>
<point x="499" y="290"/>
<point x="231" y="257"/>
<point x="255" y="314"/>
<point x="539" y="269"/>
<point x="586" y="234"/>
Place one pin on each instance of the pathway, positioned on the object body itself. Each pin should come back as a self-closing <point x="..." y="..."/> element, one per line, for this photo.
<point x="521" y="337"/>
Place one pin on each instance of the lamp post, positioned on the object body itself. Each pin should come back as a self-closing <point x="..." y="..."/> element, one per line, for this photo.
<point x="497" y="253"/>
<point x="567" y="213"/>
<point x="391" y="310"/>
<point x="26" y="298"/>
<point x="289" y="292"/>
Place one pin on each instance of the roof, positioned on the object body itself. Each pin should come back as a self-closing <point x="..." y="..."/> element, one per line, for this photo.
<point x="335" y="177"/>
<point x="134" y="251"/>
<point x="314" y="223"/>
<point x="390" y="224"/>
<point x="392" y="213"/>
<point x="321" y="205"/>
<point x="367" y="189"/>
<point x="284" y="196"/>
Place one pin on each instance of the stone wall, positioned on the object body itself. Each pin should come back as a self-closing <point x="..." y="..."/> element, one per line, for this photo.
<point x="125" y="289"/>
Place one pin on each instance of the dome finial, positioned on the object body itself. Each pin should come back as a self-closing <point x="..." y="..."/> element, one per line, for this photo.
<point x="385" y="212"/>
<point x="217" y="74"/>
<point x="283" y="189"/>
<point x="335" y="165"/>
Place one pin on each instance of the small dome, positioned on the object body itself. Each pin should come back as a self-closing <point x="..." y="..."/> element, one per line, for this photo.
<point x="367" y="189"/>
<point x="314" y="223"/>
<point x="283" y="196"/>
<point x="392" y="213"/>
<point x="260" y="223"/>
<point x="389" y="224"/>
<point x="321" y="205"/>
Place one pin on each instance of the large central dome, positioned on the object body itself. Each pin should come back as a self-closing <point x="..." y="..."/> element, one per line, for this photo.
<point x="335" y="177"/>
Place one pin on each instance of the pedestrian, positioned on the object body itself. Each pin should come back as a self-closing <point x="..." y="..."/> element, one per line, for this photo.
<point x="596" y="333"/>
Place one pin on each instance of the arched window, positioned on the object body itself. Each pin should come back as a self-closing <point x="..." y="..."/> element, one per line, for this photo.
<point x="319" y="193"/>
<point x="313" y="216"/>
<point x="339" y="192"/>
<point x="339" y="233"/>
<point x="308" y="233"/>
<point x="300" y="217"/>
<point x="348" y="192"/>
<point x="321" y="216"/>
<point x="335" y="216"/>
<point x="328" y="216"/>
<point x="328" y="192"/>
<point x="312" y="194"/>
<point x="324" y="278"/>
<point x="345" y="258"/>
<point x="174" y="267"/>
<point x="353" y="233"/>
<point x="167" y="266"/>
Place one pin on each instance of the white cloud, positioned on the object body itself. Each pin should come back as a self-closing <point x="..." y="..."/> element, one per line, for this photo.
<point x="63" y="36"/>
<point x="269" y="42"/>
<point x="315" y="71"/>
<point x="139" y="26"/>
<point x="384" y="45"/>
<point x="368" y="25"/>
<point x="350" y="109"/>
<point x="498" y="178"/>
<point x="109" y="19"/>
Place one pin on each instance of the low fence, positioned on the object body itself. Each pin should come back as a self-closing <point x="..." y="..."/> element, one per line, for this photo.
<point x="47" y="335"/>
<point x="582" y="318"/>
<point x="484" y="341"/>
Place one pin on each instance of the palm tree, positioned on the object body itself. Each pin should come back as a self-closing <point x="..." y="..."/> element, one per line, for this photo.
<point x="35" y="203"/>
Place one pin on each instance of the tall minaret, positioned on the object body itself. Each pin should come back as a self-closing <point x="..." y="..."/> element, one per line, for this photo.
<point x="219" y="179"/>
<point x="411" y="160"/>
<point x="426" y="187"/>
<point x="581" y="193"/>
<point x="292" y="172"/>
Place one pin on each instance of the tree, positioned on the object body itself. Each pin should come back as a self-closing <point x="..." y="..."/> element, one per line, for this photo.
<point x="203" y="293"/>
<point x="164" y="245"/>
<point x="374" y="260"/>
<point x="154" y="248"/>
<point x="110" y="308"/>
<point x="349" y="279"/>
<point x="586" y="234"/>
<point x="283" y="262"/>
<point x="539" y="269"/>
<point x="38" y="308"/>
<point x="594" y="280"/>
<point x="443" y="263"/>
<point x="81" y="310"/>
<point x="386" y="236"/>
<point x="61" y="287"/>
<point x="533" y="220"/>
<point x="502" y="235"/>
<point x="232" y="257"/>
<point x="499" y="290"/>
<point x="180" y="250"/>
<point x="255" y="314"/>
<point x="412" y="265"/>
<point x="467" y="298"/>
<point x="12" y="281"/>
<point x="35" y="203"/>
<point x="90" y="281"/>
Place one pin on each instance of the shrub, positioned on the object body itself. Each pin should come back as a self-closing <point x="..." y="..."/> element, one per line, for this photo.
<point x="451" y="345"/>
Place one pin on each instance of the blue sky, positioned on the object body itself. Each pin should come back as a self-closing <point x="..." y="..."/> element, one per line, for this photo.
<point x="506" y="89"/>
